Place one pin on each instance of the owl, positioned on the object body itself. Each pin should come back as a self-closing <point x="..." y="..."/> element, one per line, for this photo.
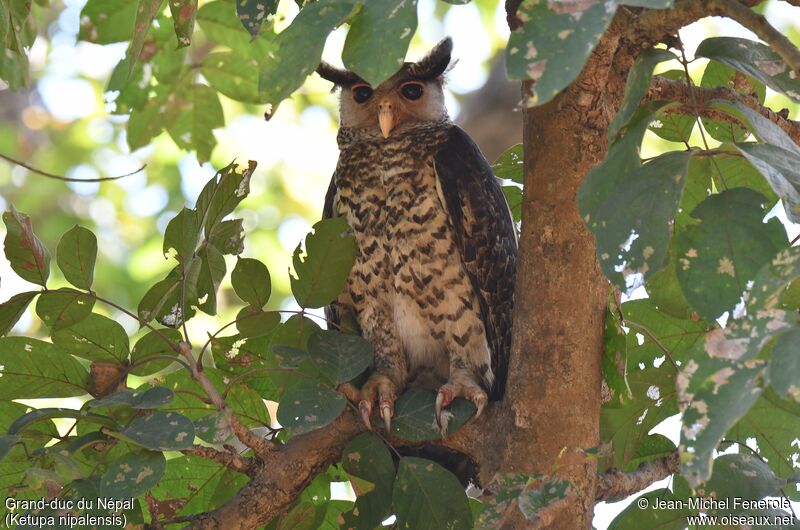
<point x="432" y="284"/>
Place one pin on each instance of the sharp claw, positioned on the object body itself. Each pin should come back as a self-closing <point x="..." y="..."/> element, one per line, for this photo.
<point x="366" y="411"/>
<point x="386" y="414"/>
<point x="480" y="406"/>
<point x="439" y="406"/>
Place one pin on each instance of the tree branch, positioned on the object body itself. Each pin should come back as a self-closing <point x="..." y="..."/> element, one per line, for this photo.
<point x="230" y="460"/>
<point x="616" y="485"/>
<point x="63" y="178"/>
<point x="761" y="27"/>
<point x="669" y="90"/>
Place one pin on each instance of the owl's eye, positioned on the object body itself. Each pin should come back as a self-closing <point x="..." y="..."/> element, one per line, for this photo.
<point x="361" y="93"/>
<point x="411" y="91"/>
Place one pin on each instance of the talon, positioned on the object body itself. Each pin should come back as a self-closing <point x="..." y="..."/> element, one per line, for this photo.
<point x="386" y="414"/>
<point x="366" y="411"/>
<point x="480" y="404"/>
<point x="439" y="405"/>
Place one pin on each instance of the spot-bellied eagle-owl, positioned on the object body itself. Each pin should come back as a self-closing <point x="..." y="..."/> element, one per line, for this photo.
<point x="432" y="284"/>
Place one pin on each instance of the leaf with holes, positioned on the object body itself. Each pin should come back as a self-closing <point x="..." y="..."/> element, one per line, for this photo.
<point x="160" y="431"/>
<point x="322" y="269"/>
<point x="670" y="124"/>
<point x="223" y="193"/>
<point x="428" y="497"/>
<point x="132" y="474"/>
<point x="146" y="12"/>
<point x="510" y="164"/>
<point x="251" y="282"/>
<point x="215" y="428"/>
<point x="415" y="415"/>
<point x="64" y="307"/>
<point x="96" y="338"/>
<point x="784" y="367"/>
<point x="184" y="13"/>
<point x="722" y="252"/>
<point x="367" y="458"/>
<point x="307" y="406"/>
<point x="340" y="357"/>
<point x="12" y="310"/>
<point x="28" y="256"/>
<point x="32" y="369"/>
<point x="107" y="21"/>
<point x="212" y="272"/>
<point x="378" y="38"/>
<point x="181" y="234"/>
<point x="228" y="236"/>
<point x="754" y="59"/>
<point x="552" y="492"/>
<point x="75" y="256"/>
<point x="200" y="112"/>
<point x="551" y="47"/>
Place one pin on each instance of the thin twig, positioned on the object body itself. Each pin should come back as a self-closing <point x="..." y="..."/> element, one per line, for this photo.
<point x="63" y="178"/>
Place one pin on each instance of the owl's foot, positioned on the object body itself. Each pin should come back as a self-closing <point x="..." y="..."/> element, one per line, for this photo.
<point x="453" y="389"/>
<point x="379" y="388"/>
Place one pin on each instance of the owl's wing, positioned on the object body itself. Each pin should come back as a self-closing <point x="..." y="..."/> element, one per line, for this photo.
<point x="328" y="211"/>
<point x="486" y="238"/>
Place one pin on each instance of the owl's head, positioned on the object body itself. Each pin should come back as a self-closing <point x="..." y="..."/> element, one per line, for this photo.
<point x="413" y="95"/>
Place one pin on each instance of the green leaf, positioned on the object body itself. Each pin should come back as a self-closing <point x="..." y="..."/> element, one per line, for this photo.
<point x="223" y="193"/>
<point x="146" y="12"/>
<point x="251" y="282"/>
<point x="754" y="59"/>
<point x="184" y="13"/>
<point x="415" y="415"/>
<point x="651" y="447"/>
<point x="14" y="71"/>
<point x="636" y="87"/>
<point x="300" y="49"/>
<point x="378" y="38"/>
<point x="96" y="338"/>
<point x="12" y="310"/>
<point x="148" y="399"/>
<point x="107" y="21"/>
<point x="780" y="167"/>
<point x="133" y="474"/>
<point x="39" y="415"/>
<point x="64" y="307"/>
<point x="163" y="300"/>
<point x="35" y="369"/>
<point x="615" y="359"/>
<point x="220" y="23"/>
<point x="182" y="233"/>
<point x="552" y="47"/>
<point x="719" y="75"/>
<point x="532" y="501"/>
<point x="510" y="164"/>
<point x="367" y="458"/>
<point x="253" y="13"/>
<point x="147" y="122"/>
<point x="784" y="368"/>
<point x="428" y="497"/>
<point x="741" y="476"/>
<point x="7" y="442"/>
<point x="340" y="357"/>
<point x="773" y="423"/>
<point x="321" y="272"/>
<point x="76" y="254"/>
<point x="199" y="113"/>
<point x="153" y="344"/>
<point x="215" y="428"/>
<point x="634" y="517"/>
<point x="495" y="508"/>
<point x="719" y="255"/>
<point x="307" y="406"/>
<point x="227" y="237"/>
<point x="669" y="123"/>
<point x="28" y="256"/>
<point x="212" y="272"/>
<point x="252" y="322"/>
<point x="631" y="213"/>
<point x="161" y="431"/>
<point x="35" y="436"/>
<point x="234" y="75"/>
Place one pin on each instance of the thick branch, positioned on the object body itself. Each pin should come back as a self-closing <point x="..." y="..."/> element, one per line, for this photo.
<point x="759" y="25"/>
<point x="669" y="90"/>
<point x="616" y="485"/>
<point x="230" y="460"/>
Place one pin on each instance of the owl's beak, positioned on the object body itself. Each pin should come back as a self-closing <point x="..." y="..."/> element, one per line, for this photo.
<point x="386" y="117"/>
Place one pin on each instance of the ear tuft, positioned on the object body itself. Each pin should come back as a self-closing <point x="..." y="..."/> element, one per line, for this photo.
<point x="435" y="63"/>
<point x="337" y="76"/>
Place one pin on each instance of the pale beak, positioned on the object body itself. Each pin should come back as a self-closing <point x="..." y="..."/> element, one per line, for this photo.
<point x="386" y="118"/>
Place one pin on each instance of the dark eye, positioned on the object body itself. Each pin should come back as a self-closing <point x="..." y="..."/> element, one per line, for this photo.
<point x="411" y="91"/>
<point x="361" y="93"/>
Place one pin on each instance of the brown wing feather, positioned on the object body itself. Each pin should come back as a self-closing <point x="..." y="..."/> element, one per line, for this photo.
<point x="486" y="238"/>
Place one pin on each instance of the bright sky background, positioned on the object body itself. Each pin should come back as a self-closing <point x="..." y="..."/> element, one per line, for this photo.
<point x="300" y="141"/>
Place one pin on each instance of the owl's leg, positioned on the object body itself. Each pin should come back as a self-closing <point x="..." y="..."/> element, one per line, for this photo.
<point x="462" y="383"/>
<point x="390" y="370"/>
